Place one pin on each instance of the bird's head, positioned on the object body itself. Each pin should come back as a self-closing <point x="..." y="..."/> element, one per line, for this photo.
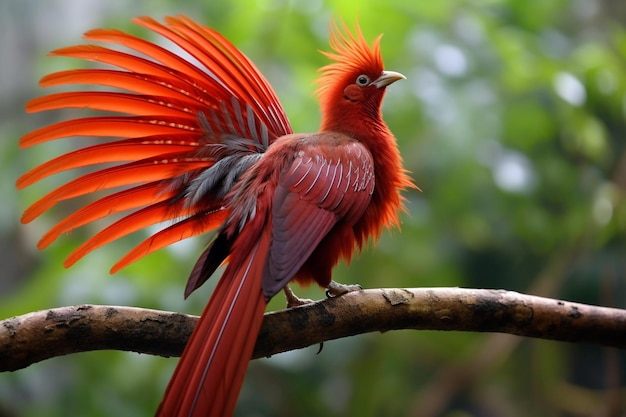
<point x="352" y="87"/>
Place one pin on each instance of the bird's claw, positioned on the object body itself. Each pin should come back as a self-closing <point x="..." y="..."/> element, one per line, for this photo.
<point x="293" y="300"/>
<point x="336" y="289"/>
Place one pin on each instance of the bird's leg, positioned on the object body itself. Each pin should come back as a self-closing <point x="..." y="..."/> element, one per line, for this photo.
<point x="293" y="300"/>
<point x="336" y="289"/>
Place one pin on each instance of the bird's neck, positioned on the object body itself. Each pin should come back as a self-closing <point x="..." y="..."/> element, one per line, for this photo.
<point x="359" y="122"/>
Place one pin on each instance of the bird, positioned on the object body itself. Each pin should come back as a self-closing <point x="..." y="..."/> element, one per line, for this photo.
<point x="200" y="144"/>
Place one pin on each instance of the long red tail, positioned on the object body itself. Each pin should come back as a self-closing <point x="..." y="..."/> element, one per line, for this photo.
<point x="210" y="372"/>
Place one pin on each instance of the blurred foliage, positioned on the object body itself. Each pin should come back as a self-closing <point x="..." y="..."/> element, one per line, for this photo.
<point x="512" y="122"/>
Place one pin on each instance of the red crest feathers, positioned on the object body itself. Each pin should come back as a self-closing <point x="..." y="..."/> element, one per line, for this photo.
<point x="352" y="53"/>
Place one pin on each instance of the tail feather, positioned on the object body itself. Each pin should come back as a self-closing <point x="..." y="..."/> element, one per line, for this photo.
<point x="211" y="370"/>
<point x="244" y="340"/>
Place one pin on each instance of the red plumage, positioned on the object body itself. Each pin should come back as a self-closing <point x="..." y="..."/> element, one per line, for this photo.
<point x="208" y="146"/>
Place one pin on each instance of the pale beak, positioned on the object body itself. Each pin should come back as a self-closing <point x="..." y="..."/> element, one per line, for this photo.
<point x="386" y="78"/>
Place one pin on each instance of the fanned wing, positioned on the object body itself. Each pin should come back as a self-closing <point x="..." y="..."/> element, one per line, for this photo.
<point x="319" y="189"/>
<point x="169" y="121"/>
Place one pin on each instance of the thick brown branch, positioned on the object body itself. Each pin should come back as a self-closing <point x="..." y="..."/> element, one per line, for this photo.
<point x="36" y="336"/>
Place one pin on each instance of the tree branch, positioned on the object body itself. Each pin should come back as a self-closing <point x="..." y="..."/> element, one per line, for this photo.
<point x="33" y="337"/>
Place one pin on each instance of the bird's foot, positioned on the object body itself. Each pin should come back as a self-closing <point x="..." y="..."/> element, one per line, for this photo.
<point x="336" y="289"/>
<point x="293" y="300"/>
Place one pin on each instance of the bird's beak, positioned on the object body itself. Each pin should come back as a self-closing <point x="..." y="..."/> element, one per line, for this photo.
<point x="386" y="78"/>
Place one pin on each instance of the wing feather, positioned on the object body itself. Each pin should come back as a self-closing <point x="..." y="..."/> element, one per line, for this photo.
<point x="142" y="195"/>
<point x="123" y="150"/>
<point x="141" y="105"/>
<point x="167" y="121"/>
<point x="111" y="126"/>
<point x="191" y="226"/>
<point x="129" y="81"/>
<point x="140" y="219"/>
<point x="313" y="194"/>
<point x="146" y="170"/>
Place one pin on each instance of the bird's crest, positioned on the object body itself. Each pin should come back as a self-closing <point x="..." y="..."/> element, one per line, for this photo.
<point x="351" y="54"/>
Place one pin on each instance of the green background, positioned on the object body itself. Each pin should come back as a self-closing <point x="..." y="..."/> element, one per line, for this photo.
<point x="512" y="123"/>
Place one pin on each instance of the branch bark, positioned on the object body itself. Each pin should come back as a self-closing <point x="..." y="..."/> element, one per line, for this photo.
<point x="33" y="337"/>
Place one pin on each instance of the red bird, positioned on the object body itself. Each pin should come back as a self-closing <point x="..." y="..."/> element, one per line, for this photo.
<point x="207" y="146"/>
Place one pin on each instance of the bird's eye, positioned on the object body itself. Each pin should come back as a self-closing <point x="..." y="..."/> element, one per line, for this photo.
<point x="362" y="80"/>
